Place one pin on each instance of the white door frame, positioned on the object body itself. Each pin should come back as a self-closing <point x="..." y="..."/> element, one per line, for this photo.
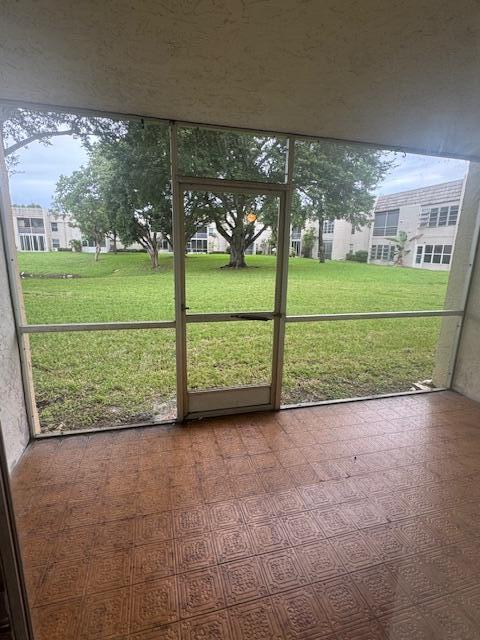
<point x="194" y="404"/>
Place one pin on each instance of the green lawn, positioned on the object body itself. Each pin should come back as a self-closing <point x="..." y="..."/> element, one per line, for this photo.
<point x="95" y="379"/>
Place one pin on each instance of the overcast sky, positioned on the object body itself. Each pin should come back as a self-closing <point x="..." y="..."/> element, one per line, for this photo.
<point x="40" y="167"/>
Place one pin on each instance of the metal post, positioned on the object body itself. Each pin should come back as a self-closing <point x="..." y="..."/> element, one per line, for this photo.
<point x="282" y="279"/>
<point x="8" y="235"/>
<point x="179" y="271"/>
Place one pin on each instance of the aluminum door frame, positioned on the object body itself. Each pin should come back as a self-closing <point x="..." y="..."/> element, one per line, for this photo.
<point x="180" y="184"/>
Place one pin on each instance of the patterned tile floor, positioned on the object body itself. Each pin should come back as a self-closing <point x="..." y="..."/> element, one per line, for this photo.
<point x="350" y="522"/>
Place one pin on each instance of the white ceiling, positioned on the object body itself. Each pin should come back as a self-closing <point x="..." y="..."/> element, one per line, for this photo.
<point x="393" y="72"/>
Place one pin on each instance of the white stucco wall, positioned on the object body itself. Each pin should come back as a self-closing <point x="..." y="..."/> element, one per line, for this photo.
<point x="360" y="239"/>
<point x="467" y="373"/>
<point x="341" y="239"/>
<point x="455" y="294"/>
<point x="466" y="378"/>
<point x="398" y="73"/>
<point x="13" y="416"/>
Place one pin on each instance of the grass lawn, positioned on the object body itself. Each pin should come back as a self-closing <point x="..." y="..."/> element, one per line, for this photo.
<point x="99" y="378"/>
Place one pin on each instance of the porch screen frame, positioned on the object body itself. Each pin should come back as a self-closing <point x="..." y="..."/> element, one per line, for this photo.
<point x="24" y="328"/>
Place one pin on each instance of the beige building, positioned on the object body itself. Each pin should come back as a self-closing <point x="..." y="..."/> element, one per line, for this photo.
<point x="429" y="216"/>
<point x="39" y="229"/>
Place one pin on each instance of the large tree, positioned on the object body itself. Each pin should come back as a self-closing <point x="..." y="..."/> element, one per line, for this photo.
<point x="234" y="156"/>
<point x="129" y="171"/>
<point x="336" y="181"/>
<point x="139" y="188"/>
<point x="333" y="181"/>
<point x="80" y="195"/>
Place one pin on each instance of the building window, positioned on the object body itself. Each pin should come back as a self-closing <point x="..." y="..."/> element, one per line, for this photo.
<point x="297" y="233"/>
<point x="296" y="247"/>
<point x="436" y="254"/>
<point x="197" y="245"/>
<point x="383" y="252"/>
<point x="201" y="233"/>
<point x="439" y="216"/>
<point x="418" y="255"/>
<point x="54" y="226"/>
<point x="55" y="243"/>
<point x="90" y="242"/>
<point x="328" y="226"/>
<point x="327" y="249"/>
<point x="37" y="224"/>
<point x="164" y="245"/>
<point x="386" y="223"/>
<point x="453" y="216"/>
<point x="30" y="225"/>
<point x="25" y="243"/>
<point x="30" y="242"/>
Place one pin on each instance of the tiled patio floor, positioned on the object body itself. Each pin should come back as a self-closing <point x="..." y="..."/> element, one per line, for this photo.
<point x="351" y="521"/>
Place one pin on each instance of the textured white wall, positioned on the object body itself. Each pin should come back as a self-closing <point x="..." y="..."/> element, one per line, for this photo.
<point x="467" y="373"/>
<point x="402" y="72"/>
<point x="13" y="416"/>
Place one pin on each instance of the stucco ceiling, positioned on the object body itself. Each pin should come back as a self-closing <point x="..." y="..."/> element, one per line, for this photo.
<point x="393" y="72"/>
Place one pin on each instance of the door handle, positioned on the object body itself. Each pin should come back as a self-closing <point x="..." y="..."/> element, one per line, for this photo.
<point x="250" y="316"/>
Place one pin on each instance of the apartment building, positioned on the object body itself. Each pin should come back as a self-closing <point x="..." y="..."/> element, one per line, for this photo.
<point x="39" y="229"/>
<point x="429" y="216"/>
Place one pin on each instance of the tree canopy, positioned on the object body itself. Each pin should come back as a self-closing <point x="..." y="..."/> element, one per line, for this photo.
<point x="81" y="195"/>
<point x="20" y="127"/>
<point x="337" y="181"/>
<point x="129" y="160"/>
<point x="235" y="156"/>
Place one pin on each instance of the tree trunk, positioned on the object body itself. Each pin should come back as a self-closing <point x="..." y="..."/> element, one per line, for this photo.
<point x="114" y="241"/>
<point x="321" y="247"/>
<point x="153" y="253"/>
<point x="97" y="250"/>
<point x="237" y="255"/>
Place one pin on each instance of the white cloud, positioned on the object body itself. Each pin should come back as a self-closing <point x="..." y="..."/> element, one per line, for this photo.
<point x="413" y="171"/>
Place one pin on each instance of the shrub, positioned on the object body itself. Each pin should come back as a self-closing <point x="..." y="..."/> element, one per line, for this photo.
<point x="358" y="256"/>
<point x="308" y="241"/>
<point x="76" y="245"/>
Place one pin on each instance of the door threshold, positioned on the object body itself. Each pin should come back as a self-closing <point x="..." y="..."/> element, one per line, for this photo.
<point x="215" y="413"/>
<point x="233" y="411"/>
<point x="380" y="396"/>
